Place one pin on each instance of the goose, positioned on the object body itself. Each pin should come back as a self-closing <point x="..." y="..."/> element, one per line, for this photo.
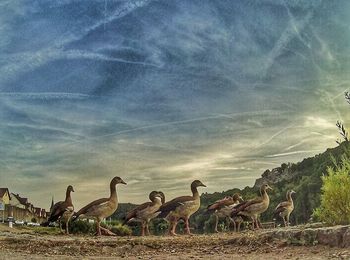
<point x="62" y="210"/>
<point x="181" y="208"/>
<point x="285" y="208"/>
<point x="254" y="207"/>
<point x="146" y="211"/>
<point x="223" y="208"/>
<point x="102" y="208"/>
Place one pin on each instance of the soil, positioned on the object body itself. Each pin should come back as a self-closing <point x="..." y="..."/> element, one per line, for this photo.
<point x="28" y="244"/>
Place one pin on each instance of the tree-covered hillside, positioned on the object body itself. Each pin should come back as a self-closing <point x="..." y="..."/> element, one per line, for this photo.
<point x="303" y="177"/>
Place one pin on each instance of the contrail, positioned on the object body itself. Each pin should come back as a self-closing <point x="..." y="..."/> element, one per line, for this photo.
<point x="273" y="136"/>
<point x="294" y="145"/>
<point x="146" y="127"/>
<point x="291" y="153"/>
<point x="289" y="33"/>
<point x="45" y="95"/>
<point x="28" y="61"/>
<point x="76" y="54"/>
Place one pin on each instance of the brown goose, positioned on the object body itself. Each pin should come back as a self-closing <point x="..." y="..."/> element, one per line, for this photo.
<point x="223" y="208"/>
<point x="181" y="208"/>
<point x="254" y="207"/>
<point x="146" y="211"/>
<point x="285" y="208"/>
<point x="62" y="210"/>
<point x="102" y="208"/>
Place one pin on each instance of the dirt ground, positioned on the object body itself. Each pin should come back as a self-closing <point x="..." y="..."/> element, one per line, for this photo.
<point x="30" y="244"/>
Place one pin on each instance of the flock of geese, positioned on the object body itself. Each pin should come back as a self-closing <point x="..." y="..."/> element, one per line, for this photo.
<point x="234" y="209"/>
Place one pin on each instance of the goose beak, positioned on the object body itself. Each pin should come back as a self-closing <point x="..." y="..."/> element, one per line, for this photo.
<point x="72" y="189"/>
<point x="123" y="182"/>
<point x="269" y="188"/>
<point x="202" y="185"/>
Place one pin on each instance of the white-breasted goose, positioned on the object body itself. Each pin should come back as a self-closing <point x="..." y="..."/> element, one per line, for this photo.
<point x="254" y="207"/>
<point x="62" y="210"/>
<point x="181" y="208"/>
<point x="146" y="211"/>
<point x="223" y="208"/>
<point x="285" y="208"/>
<point x="102" y="208"/>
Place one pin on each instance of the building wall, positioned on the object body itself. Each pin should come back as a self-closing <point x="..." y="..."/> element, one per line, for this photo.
<point x="6" y="198"/>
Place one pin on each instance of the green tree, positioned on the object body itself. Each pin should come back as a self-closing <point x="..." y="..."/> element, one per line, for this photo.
<point x="335" y="198"/>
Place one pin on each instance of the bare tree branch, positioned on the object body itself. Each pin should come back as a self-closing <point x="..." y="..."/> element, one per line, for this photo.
<point x="342" y="132"/>
<point x="347" y="97"/>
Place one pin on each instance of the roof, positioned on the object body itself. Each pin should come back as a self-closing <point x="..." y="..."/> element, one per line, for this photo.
<point x="23" y="201"/>
<point x="3" y="192"/>
<point x="37" y="211"/>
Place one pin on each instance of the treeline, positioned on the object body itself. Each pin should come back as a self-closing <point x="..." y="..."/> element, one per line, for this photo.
<point x="305" y="179"/>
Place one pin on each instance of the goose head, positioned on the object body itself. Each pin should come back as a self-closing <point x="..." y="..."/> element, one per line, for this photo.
<point x="155" y="195"/>
<point x="197" y="183"/>
<point x="237" y="197"/>
<point x="162" y="195"/>
<point x="116" y="180"/>
<point x="265" y="187"/>
<point x="70" y="188"/>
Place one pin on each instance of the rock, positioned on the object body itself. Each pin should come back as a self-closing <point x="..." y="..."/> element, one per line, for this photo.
<point x="346" y="238"/>
<point x="332" y="236"/>
<point x="275" y="175"/>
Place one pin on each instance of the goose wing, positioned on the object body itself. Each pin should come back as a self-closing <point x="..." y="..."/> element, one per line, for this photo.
<point x="133" y="213"/>
<point x="171" y="205"/>
<point x="281" y="207"/>
<point x="245" y="204"/>
<point x="90" y="207"/>
<point x="57" y="211"/>
<point x="219" y="204"/>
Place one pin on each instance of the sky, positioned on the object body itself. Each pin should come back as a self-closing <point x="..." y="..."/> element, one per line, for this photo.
<point x="164" y="92"/>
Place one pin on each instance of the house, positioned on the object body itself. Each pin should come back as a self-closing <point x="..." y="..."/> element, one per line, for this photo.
<point x="43" y="213"/>
<point x="37" y="212"/>
<point x="5" y="196"/>
<point x="20" y="208"/>
<point x="18" y="201"/>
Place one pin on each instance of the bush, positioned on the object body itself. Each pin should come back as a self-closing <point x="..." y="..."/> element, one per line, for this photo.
<point x="121" y="230"/>
<point x="85" y="227"/>
<point x="335" y="197"/>
<point x="81" y="227"/>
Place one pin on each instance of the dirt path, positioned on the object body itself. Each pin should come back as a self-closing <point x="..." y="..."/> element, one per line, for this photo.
<point x="26" y="244"/>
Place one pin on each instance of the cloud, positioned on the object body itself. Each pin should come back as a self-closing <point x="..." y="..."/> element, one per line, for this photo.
<point x="162" y="92"/>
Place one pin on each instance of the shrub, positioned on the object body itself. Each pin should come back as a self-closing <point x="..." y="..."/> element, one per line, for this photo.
<point x="121" y="230"/>
<point x="81" y="227"/>
<point x="335" y="197"/>
<point x="85" y="227"/>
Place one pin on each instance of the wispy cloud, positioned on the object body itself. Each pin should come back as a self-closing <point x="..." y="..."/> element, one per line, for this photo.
<point x="162" y="92"/>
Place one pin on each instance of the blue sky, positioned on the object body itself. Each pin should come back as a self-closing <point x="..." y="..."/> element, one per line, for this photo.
<point x="164" y="92"/>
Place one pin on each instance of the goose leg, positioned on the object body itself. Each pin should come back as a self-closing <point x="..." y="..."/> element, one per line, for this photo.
<point x="258" y="223"/>
<point x="234" y="225"/>
<point x="228" y="223"/>
<point x="239" y="226"/>
<point x="60" y="224"/>
<point x="253" y="223"/>
<point x="172" y="227"/>
<point x="67" y="229"/>
<point x="98" y="227"/>
<point x="187" y="227"/>
<point x="216" y="223"/>
<point x="147" y="228"/>
<point x="287" y="217"/>
<point x="142" y="228"/>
